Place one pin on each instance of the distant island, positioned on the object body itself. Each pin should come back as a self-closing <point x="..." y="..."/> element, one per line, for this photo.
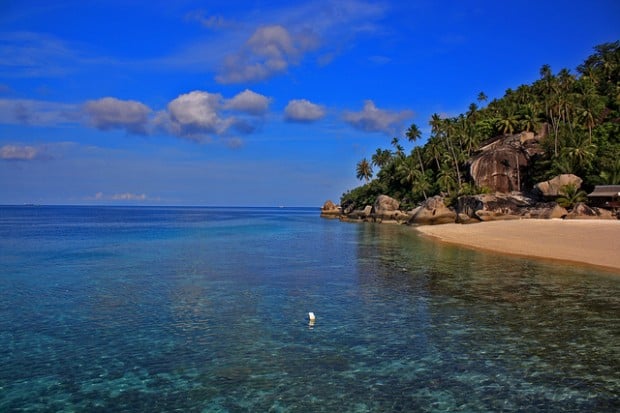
<point x="550" y="149"/>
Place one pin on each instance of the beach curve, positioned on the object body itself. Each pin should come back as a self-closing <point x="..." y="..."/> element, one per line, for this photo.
<point x="591" y="242"/>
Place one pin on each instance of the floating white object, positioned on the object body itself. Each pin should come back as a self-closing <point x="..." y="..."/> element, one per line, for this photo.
<point x="311" y="317"/>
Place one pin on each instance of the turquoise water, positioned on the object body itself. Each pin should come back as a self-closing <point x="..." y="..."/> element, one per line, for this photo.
<point x="205" y="310"/>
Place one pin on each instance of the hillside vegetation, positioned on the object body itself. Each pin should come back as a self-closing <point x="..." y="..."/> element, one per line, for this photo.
<point x="577" y="113"/>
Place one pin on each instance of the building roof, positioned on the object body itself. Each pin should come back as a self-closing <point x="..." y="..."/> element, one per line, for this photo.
<point x="605" y="191"/>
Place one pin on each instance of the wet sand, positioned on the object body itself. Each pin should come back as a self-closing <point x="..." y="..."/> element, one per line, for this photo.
<point x="592" y="242"/>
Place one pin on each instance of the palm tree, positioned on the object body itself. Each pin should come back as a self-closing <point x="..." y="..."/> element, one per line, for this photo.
<point x="414" y="134"/>
<point x="611" y="176"/>
<point x="400" y="151"/>
<point x="529" y="120"/>
<point x="364" y="170"/>
<point x="508" y="123"/>
<point x="580" y="153"/>
<point x="408" y="171"/>
<point x="482" y="97"/>
<point x="381" y="157"/>
<point x="445" y="179"/>
<point x="433" y="151"/>
<point x="571" y="195"/>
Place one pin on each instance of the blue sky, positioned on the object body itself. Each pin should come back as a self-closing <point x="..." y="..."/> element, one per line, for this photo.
<point x="241" y="103"/>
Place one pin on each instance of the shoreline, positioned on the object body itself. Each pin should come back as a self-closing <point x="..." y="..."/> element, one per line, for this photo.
<point x="587" y="242"/>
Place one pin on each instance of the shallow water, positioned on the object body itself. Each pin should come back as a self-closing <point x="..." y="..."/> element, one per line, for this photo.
<point x="205" y="310"/>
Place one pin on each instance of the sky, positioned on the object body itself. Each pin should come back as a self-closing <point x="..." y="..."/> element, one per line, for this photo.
<point x="252" y="103"/>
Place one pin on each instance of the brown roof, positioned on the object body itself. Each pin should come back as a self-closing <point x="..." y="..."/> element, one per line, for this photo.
<point x="605" y="191"/>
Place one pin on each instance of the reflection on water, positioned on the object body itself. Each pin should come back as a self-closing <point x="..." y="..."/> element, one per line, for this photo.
<point x="190" y="312"/>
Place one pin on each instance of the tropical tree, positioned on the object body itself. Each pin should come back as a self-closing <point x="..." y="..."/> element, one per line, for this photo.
<point x="411" y="175"/>
<point x="414" y="134"/>
<point x="364" y="170"/>
<point x="508" y="123"/>
<point x="381" y="157"/>
<point x="571" y="195"/>
<point x="580" y="153"/>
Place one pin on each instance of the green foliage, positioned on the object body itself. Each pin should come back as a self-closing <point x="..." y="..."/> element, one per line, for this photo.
<point x="571" y="195"/>
<point x="580" y="113"/>
<point x="363" y="195"/>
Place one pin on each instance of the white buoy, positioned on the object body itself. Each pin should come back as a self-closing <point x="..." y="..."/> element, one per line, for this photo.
<point x="311" y="317"/>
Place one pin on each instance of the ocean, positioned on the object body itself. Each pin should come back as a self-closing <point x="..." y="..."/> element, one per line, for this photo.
<point x="149" y="309"/>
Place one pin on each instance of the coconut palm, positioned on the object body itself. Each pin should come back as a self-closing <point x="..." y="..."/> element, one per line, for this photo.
<point x="414" y="134"/>
<point x="381" y="157"/>
<point x="364" y="170"/>
<point x="571" y="195"/>
<point x="579" y="152"/>
<point x="411" y="176"/>
<point x="508" y="123"/>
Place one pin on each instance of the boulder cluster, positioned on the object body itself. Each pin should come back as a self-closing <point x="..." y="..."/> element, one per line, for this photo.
<point x="501" y="165"/>
<point x="467" y="210"/>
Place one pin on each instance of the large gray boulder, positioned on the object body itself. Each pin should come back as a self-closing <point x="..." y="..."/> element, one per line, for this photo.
<point x="553" y="187"/>
<point x="385" y="203"/>
<point x="501" y="164"/>
<point x="433" y="211"/>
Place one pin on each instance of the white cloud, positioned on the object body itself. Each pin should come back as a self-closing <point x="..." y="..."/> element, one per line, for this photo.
<point x="195" y="114"/>
<point x="373" y="119"/>
<point x="19" y="153"/>
<point x="112" y="113"/>
<point x="269" y="51"/>
<point x="249" y="102"/>
<point x="302" y="110"/>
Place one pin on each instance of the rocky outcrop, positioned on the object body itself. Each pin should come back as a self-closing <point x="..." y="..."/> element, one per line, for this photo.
<point x="582" y="211"/>
<point x="365" y="214"/>
<point x="553" y="187"/>
<point x="385" y="203"/>
<point x="493" y="207"/>
<point x="433" y="211"/>
<point x="387" y="209"/>
<point x="502" y="163"/>
<point x="329" y="209"/>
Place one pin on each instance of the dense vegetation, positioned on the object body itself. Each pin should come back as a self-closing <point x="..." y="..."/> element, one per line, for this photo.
<point x="580" y="112"/>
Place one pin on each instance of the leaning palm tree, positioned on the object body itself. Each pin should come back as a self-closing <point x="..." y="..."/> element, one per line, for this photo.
<point x="364" y="170"/>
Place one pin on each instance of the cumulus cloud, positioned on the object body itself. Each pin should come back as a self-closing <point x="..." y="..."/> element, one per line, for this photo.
<point x="302" y="110"/>
<point x="195" y="113"/>
<point x="19" y="153"/>
<point x="269" y="51"/>
<point x="249" y="102"/>
<point x="373" y="119"/>
<point x="112" y="113"/>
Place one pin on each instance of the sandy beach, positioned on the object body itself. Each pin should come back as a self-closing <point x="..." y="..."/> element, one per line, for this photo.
<point x="592" y="242"/>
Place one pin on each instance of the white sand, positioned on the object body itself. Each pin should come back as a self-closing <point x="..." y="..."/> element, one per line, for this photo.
<point x="593" y="242"/>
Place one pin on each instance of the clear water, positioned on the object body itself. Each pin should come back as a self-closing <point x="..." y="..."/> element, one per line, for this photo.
<point x="205" y="310"/>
